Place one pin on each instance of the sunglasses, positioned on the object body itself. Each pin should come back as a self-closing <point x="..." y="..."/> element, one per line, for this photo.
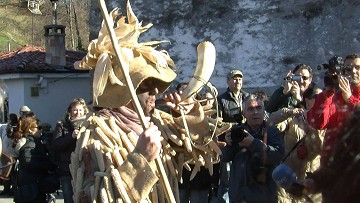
<point x="303" y="77"/>
<point x="147" y="86"/>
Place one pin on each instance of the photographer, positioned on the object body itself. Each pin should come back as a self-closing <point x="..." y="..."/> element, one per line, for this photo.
<point x="302" y="145"/>
<point x="297" y="83"/>
<point x="255" y="150"/>
<point x="333" y="106"/>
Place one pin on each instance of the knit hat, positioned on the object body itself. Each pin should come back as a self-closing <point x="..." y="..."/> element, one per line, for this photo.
<point x="141" y="60"/>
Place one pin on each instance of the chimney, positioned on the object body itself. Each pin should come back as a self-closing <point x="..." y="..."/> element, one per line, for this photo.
<point x="55" y="45"/>
<point x="55" y="41"/>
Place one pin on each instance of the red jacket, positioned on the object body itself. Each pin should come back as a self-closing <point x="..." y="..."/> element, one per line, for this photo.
<point x="331" y="112"/>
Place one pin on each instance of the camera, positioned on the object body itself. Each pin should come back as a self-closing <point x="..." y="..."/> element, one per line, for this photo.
<point x="237" y="134"/>
<point x="296" y="78"/>
<point x="334" y="68"/>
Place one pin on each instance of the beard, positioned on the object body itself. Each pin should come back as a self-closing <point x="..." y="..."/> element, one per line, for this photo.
<point x="148" y="106"/>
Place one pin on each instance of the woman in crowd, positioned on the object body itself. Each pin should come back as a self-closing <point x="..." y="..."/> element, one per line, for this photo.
<point x="64" y="143"/>
<point x="302" y="143"/>
<point x="34" y="163"/>
<point x="297" y="84"/>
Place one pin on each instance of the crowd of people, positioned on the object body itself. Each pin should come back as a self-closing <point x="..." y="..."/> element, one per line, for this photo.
<point x="298" y="125"/>
<point x="203" y="148"/>
<point x="312" y="130"/>
<point x="33" y="155"/>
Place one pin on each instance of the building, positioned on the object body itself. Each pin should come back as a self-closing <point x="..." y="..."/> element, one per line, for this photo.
<point x="44" y="79"/>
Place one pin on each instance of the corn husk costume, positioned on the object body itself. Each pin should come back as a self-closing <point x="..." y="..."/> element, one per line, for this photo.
<point x="105" y="165"/>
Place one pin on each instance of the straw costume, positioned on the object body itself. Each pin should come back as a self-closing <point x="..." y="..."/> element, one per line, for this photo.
<point x="104" y="166"/>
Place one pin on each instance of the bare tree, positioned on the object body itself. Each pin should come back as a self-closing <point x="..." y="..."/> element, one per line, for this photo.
<point x="68" y="6"/>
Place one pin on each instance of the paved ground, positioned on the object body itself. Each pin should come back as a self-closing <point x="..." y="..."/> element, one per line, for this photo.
<point x="59" y="198"/>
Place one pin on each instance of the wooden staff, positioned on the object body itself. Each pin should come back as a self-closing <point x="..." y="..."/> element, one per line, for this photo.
<point x="124" y="67"/>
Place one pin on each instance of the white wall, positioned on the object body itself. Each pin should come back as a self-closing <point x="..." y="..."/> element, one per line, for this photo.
<point x="57" y="91"/>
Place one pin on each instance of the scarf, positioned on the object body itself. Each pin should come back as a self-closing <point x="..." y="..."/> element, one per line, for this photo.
<point x="124" y="117"/>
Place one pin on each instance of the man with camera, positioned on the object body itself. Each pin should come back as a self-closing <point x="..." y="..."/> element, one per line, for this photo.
<point x="255" y="150"/>
<point x="333" y="106"/>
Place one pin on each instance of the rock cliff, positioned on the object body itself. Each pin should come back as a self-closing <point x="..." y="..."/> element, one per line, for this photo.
<point x="264" y="38"/>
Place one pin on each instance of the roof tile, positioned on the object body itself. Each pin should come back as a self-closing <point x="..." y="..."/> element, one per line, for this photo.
<point x="32" y="59"/>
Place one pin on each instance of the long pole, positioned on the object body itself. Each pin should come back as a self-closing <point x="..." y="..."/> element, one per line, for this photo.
<point x="124" y="67"/>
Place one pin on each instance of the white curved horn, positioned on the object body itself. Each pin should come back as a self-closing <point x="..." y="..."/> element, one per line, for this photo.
<point x="204" y="68"/>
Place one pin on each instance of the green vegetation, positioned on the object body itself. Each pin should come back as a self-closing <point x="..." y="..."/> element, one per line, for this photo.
<point x="20" y="27"/>
<point x="13" y="23"/>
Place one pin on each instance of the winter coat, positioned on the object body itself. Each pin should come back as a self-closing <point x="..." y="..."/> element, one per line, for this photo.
<point x="62" y="145"/>
<point x="295" y="130"/>
<point x="230" y="108"/>
<point x="278" y="100"/>
<point x="331" y="112"/>
<point x="34" y="163"/>
<point x="249" y="165"/>
<point x="33" y="159"/>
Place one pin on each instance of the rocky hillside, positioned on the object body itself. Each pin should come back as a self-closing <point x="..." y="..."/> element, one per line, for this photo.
<point x="264" y="38"/>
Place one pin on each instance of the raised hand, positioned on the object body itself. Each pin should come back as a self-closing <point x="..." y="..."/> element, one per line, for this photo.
<point x="149" y="144"/>
<point x="173" y="101"/>
<point x="344" y="86"/>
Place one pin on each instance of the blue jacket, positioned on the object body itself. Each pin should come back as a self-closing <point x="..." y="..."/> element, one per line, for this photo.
<point x="248" y="164"/>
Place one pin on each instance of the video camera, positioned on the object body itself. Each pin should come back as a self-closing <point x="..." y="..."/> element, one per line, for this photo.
<point x="334" y="69"/>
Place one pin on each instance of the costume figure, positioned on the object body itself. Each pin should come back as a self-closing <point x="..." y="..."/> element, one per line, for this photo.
<point x="114" y="156"/>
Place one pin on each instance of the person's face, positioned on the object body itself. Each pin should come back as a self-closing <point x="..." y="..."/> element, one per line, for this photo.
<point x="354" y="71"/>
<point x="209" y="99"/>
<point x="23" y="113"/>
<point x="235" y="83"/>
<point x="35" y="130"/>
<point x="305" y="80"/>
<point x="77" y="111"/>
<point x="146" y="93"/>
<point x="254" y="113"/>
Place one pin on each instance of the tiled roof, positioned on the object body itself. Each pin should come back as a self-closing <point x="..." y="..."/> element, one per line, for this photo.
<point x="31" y="59"/>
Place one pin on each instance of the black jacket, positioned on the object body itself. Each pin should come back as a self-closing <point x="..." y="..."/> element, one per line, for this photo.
<point x="230" y="107"/>
<point x="34" y="161"/>
<point x="62" y="145"/>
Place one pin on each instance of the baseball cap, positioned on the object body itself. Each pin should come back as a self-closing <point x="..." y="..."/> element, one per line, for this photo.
<point x="233" y="73"/>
